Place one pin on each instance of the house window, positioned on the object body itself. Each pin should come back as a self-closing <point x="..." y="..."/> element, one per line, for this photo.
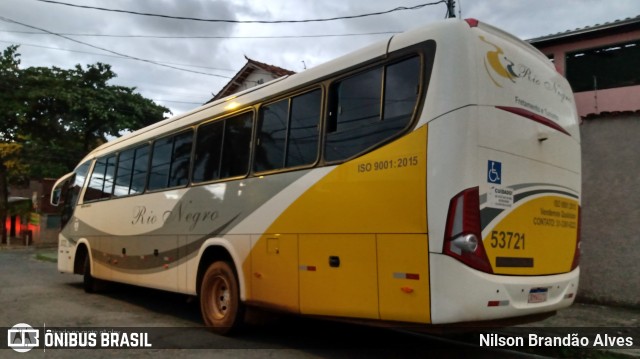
<point x="605" y="67"/>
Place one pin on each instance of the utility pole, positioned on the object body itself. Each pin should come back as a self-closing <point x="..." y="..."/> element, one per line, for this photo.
<point x="451" y="8"/>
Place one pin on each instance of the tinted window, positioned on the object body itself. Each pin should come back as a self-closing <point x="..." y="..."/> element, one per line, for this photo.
<point x="358" y="100"/>
<point x="132" y="171"/>
<point x="401" y="88"/>
<point x="302" y="147"/>
<point x="288" y="132"/>
<point x="101" y="180"/>
<point x="354" y="122"/>
<point x="236" y="146"/>
<point x="170" y="161"/>
<point x="123" y="177"/>
<point x="71" y="195"/>
<point x="206" y="166"/>
<point x="160" y="163"/>
<point x="140" y="169"/>
<point x="272" y="135"/>
<point x="181" y="159"/>
<point x="109" y="176"/>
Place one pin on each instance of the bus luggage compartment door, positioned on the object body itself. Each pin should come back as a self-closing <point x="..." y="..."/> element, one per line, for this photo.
<point x="338" y="275"/>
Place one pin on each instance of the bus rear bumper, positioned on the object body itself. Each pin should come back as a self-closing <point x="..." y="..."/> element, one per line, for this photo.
<point x="462" y="294"/>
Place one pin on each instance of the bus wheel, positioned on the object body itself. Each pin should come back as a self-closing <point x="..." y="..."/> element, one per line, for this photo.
<point x="220" y="299"/>
<point x="89" y="282"/>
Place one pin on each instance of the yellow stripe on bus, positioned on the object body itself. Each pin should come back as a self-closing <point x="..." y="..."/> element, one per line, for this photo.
<point x="342" y="243"/>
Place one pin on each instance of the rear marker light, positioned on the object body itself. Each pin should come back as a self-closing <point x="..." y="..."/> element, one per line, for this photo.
<point x="414" y="276"/>
<point x="497" y="303"/>
<point x="472" y="22"/>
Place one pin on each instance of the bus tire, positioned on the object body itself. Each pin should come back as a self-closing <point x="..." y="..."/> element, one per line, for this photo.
<point x="89" y="283"/>
<point x="220" y="303"/>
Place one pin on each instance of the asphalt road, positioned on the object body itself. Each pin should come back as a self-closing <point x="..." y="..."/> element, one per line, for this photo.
<point x="33" y="292"/>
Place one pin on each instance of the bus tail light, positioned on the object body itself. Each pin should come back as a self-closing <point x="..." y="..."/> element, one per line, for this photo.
<point x="463" y="237"/>
<point x="576" y="254"/>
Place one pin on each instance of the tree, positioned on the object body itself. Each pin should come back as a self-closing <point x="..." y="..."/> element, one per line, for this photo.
<point x="52" y="117"/>
<point x="12" y="170"/>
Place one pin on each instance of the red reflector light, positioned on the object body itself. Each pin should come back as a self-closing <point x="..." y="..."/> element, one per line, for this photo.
<point x="413" y="276"/>
<point x="472" y="22"/>
<point x="497" y="303"/>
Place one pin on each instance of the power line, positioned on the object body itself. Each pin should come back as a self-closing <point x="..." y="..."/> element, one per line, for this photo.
<point x="110" y="51"/>
<point x="400" y="8"/>
<point x="113" y="56"/>
<point x="208" y="36"/>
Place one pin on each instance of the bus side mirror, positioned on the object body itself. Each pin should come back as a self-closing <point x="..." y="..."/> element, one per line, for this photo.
<point x="59" y="188"/>
<point x="55" y="196"/>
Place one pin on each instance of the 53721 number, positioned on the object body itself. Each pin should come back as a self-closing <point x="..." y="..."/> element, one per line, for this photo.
<point x="507" y="240"/>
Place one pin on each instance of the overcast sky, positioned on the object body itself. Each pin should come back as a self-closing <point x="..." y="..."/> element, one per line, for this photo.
<point x="220" y="58"/>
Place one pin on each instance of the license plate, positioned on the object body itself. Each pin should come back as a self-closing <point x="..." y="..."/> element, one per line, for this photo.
<point x="538" y="295"/>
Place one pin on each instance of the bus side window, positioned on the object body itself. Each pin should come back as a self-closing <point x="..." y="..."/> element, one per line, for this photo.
<point x="140" y="170"/>
<point x="170" y="161"/>
<point x="123" y="176"/>
<point x="223" y="148"/>
<point x="206" y="166"/>
<point x="70" y="197"/>
<point x="288" y="132"/>
<point x="401" y="89"/>
<point x="272" y="136"/>
<point x="365" y="111"/>
<point x="236" y="145"/>
<point x="302" y="143"/>
<point x="132" y="171"/>
<point x="101" y="181"/>
<point x="160" y="163"/>
<point x="179" y="175"/>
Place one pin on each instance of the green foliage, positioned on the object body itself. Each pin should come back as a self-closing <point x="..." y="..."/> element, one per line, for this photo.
<point x="58" y="115"/>
<point x="52" y="117"/>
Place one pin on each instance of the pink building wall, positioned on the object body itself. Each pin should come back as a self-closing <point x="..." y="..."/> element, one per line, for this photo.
<point x="594" y="102"/>
<point x="609" y="100"/>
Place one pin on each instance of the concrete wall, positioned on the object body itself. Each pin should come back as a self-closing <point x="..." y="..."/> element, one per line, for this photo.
<point x="610" y="261"/>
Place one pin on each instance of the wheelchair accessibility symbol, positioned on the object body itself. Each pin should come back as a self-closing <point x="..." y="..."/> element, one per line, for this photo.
<point x="494" y="172"/>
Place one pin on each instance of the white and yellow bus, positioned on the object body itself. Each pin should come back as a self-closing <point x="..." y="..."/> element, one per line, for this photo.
<point x="431" y="178"/>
